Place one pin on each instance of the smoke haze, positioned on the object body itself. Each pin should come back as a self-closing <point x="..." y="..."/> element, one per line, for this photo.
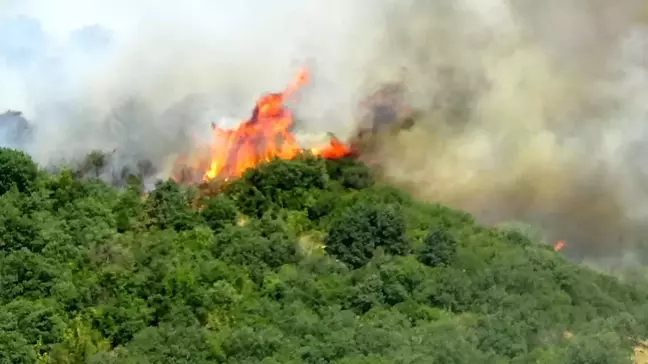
<point x="535" y="110"/>
<point x="147" y="80"/>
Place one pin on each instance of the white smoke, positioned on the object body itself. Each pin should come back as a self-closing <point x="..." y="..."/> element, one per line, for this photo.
<point x="94" y="77"/>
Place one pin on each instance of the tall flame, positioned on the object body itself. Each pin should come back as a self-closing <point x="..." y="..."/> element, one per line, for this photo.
<point x="264" y="136"/>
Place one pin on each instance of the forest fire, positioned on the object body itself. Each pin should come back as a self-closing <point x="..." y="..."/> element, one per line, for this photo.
<point x="264" y="136"/>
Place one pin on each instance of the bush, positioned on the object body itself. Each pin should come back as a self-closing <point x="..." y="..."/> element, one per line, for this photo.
<point x="218" y="212"/>
<point x="167" y="207"/>
<point x="248" y="199"/>
<point x="287" y="184"/>
<point x="439" y="248"/>
<point x="603" y="347"/>
<point x="305" y="171"/>
<point x="17" y="229"/>
<point x="350" y="173"/>
<point x="364" y="227"/>
<point x="16" y="169"/>
<point x="259" y="251"/>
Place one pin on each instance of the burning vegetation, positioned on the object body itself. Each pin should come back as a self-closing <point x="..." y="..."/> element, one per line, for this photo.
<point x="264" y="136"/>
<point x="267" y="134"/>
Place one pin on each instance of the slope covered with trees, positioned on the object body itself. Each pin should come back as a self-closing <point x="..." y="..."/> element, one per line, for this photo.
<point x="302" y="261"/>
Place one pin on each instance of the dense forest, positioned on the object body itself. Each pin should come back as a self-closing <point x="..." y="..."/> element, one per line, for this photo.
<point x="300" y="261"/>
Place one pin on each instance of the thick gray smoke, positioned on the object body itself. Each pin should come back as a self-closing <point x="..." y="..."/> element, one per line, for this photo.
<point x="535" y="110"/>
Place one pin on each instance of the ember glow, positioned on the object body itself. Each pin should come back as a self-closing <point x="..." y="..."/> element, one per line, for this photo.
<point x="264" y="136"/>
<point x="559" y="245"/>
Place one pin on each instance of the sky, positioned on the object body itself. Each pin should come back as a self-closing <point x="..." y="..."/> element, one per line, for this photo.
<point x="59" y="18"/>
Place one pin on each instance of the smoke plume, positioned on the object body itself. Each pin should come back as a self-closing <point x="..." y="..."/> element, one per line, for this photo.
<point x="534" y="110"/>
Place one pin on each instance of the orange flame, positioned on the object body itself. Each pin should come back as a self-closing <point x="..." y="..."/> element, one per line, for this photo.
<point x="264" y="136"/>
<point x="559" y="245"/>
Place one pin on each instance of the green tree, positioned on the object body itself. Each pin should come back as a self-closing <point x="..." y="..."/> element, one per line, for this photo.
<point x="248" y="199"/>
<point x="282" y="183"/>
<point x="219" y="211"/>
<point x="79" y="343"/>
<point x="258" y="251"/>
<point x="349" y="173"/>
<point x="129" y="210"/>
<point x="17" y="228"/>
<point x="305" y="172"/>
<point x="24" y="274"/>
<point x="166" y="344"/>
<point x="439" y="248"/>
<point x="364" y="227"/>
<point x="167" y="207"/>
<point x="15" y="349"/>
<point x="16" y="169"/>
<point x="598" y="348"/>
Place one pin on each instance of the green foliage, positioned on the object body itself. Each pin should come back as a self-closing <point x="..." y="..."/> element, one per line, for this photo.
<point x="349" y="173"/>
<point x="302" y="261"/>
<point x="218" y="212"/>
<point x="439" y="248"/>
<point x="602" y="347"/>
<point x="259" y="248"/>
<point x="362" y="229"/>
<point x="278" y="175"/>
<point x="167" y="207"/>
<point x="17" y="229"/>
<point x="16" y="169"/>
<point x="279" y="184"/>
<point x="129" y="210"/>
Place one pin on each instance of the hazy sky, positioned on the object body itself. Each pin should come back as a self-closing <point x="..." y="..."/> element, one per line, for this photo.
<point x="45" y="27"/>
<point x="69" y="64"/>
<point x="60" y="17"/>
<point x="122" y="16"/>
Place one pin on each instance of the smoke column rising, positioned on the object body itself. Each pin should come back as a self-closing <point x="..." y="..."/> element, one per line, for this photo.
<point x="535" y="111"/>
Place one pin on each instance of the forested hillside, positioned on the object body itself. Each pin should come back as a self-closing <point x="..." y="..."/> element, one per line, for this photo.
<point x="302" y="261"/>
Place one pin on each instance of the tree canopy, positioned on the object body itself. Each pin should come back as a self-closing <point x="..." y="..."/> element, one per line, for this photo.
<point x="300" y="261"/>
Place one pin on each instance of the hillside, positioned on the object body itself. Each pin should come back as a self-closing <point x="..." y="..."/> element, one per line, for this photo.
<point x="302" y="261"/>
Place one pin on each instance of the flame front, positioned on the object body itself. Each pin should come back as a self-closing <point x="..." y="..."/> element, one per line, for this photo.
<point x="264" y="136"/>
<point x="559" y="245"/>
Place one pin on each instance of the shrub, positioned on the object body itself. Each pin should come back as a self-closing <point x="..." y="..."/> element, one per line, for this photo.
<point x="16" y="169"/>
<point x="364" y="227"/>
<point x="350" y="173"/>
<point x="283" y="175"/>
<point x="218" y="212"/>
<point x="439" y="248"/>
<point x="167" y="207"/>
